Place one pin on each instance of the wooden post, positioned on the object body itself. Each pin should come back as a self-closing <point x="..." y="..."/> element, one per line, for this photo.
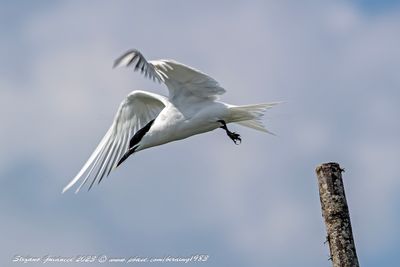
<point x="336" y="214"/>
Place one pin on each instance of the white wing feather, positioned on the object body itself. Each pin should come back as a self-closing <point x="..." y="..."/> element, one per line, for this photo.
<point x="180" y="79"/>
<point x="135" y="58"/>
<point x="137" y="109"/>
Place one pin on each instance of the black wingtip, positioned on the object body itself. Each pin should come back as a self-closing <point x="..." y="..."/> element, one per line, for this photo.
<point x="136" y="55"/>
<point x="124" y="157"/>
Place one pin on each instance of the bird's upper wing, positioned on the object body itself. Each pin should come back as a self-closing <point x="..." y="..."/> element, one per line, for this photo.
<point x="181" y="80"/>
<point x="137" y="109"/>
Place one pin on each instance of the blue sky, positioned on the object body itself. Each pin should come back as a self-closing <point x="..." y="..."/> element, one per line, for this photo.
<point x="335" y="64"/>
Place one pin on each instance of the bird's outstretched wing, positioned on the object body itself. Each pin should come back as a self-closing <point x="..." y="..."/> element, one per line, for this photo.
<point x="137" y="110"/>
<point x="181" y="80"/>
<point x="135" y="58"/>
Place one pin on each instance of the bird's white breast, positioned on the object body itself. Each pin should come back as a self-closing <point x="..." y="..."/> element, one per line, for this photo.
<point x="175" y="123"/>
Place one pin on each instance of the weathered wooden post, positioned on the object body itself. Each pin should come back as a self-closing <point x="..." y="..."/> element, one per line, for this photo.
<point x="336" y="214"/>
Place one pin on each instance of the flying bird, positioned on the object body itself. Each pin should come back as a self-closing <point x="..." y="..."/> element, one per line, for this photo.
<point x="146" y="119"/>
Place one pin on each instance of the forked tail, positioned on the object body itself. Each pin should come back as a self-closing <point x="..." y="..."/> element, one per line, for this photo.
<point x="251" y="115"/>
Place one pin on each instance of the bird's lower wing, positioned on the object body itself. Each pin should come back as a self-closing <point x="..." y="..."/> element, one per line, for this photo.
<point x="137" y="110"/>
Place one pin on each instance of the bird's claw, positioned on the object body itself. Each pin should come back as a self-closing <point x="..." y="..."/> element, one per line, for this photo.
<point x="235" y="138"/>
<point x="232" y="135"/>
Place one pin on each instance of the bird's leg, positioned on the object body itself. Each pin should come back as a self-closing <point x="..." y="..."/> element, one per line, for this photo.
<point x="232" y="135"/>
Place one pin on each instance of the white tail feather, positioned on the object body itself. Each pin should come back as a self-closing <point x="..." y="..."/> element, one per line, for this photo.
<point x="250" y="115"/>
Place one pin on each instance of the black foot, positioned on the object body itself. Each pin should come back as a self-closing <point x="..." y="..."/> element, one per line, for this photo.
<point x="235" y="137"/>
<point x="232" y="135"/>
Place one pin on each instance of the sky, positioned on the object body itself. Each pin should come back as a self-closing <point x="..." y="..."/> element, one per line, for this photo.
<point x="334" y="64"/>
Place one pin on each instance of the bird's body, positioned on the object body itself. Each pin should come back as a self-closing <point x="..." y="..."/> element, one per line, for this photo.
<point x="173" y="123"/>
<point x="146" y="119"/>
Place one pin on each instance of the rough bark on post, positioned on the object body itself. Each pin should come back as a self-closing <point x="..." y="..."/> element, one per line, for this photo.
<point x="336" y="214"/>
